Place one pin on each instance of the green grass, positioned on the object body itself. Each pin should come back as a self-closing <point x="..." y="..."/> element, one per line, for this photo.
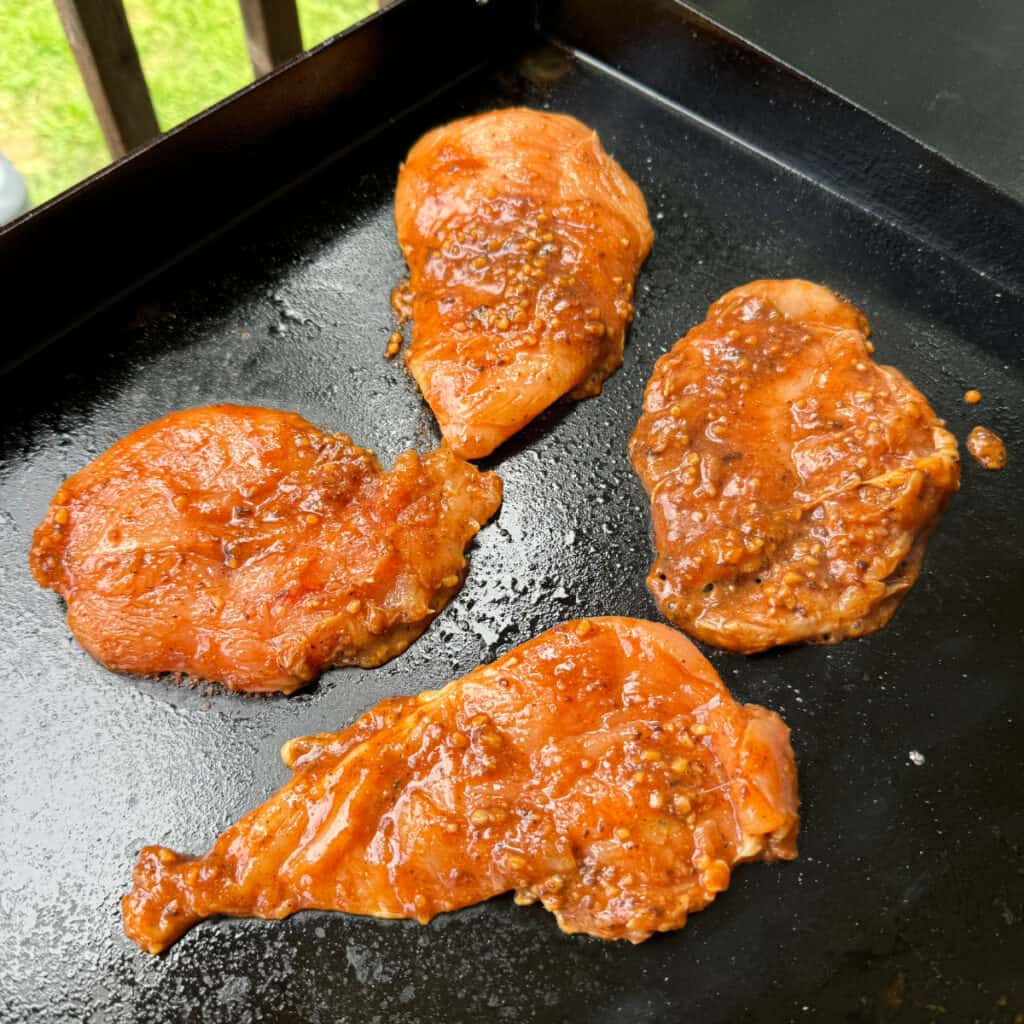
<point x="193" y="54"/>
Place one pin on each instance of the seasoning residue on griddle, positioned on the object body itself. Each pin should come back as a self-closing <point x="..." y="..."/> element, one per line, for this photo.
<point x="987" y="447"/>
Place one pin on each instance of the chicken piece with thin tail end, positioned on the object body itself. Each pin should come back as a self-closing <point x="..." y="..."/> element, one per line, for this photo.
<point x="793" y="481"/>
<point x="523" y="239"/>
<point x="244" y="546"/>
<point x="601" y="768"/>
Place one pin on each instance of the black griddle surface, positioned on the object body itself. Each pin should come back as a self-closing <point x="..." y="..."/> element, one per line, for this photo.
<point x="907" y="900"/>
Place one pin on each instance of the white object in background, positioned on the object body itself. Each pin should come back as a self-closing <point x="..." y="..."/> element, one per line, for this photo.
<point x="13" y="194"/>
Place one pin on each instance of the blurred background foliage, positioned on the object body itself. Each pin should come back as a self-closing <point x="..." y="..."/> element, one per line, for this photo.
<point x="193" y="54"/>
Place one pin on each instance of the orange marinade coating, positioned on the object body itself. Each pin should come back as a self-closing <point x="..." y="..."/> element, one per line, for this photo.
<point x="987" y="448"/>
<point x="245" y="546"/>
<point x="523" y="239"/>
<point x="601" y="768"/>
<point x="793" y="481"/>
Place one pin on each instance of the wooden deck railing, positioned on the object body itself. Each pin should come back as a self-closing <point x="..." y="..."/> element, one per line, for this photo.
<point x="102" y="43"/>
<point x="101" y="40"/>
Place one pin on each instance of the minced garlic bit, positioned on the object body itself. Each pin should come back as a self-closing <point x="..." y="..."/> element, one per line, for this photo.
<point x="394" y="344"/>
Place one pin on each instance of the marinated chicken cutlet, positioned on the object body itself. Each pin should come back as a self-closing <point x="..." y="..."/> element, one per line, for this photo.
<point x="523" y="239"/>
<point x="601" y="768"/>
<point x="793" y="482"/>
<point x="244" y="546"/>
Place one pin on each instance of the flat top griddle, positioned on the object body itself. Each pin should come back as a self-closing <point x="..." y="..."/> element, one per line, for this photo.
<point x="907" y="901"/>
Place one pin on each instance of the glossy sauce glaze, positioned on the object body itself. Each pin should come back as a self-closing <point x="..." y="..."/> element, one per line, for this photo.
<point x="793" y="481"/>
<point x="987" y="447"/>
<point x="245" y="546"/>
<point x="523" y="240"/>
<point x="601" y="768"/>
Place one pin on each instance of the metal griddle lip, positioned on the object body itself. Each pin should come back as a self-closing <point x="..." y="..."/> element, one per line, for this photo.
<point x="151" y="209"/>
<point x="793" y="120"/>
